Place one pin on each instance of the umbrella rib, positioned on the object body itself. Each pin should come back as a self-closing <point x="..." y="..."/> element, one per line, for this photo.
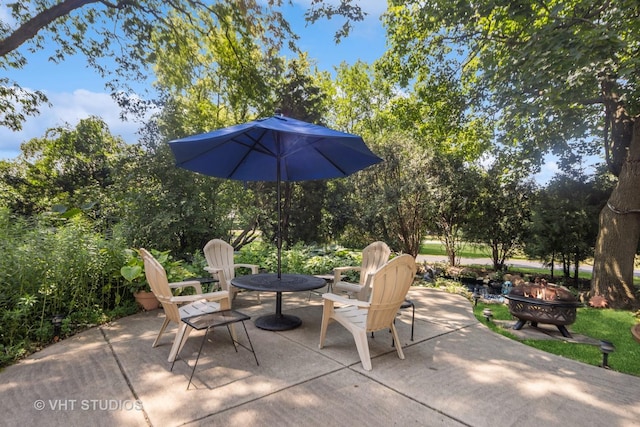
<point x="312" y="145"/>
<point x="251" y="147"/>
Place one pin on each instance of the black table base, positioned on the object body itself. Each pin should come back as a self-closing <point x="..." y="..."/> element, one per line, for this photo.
<point x="278" y="322"/>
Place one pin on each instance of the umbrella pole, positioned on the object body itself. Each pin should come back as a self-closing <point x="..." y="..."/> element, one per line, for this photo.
<point x="279" y="240"/>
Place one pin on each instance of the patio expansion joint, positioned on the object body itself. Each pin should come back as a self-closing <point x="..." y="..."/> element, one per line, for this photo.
<point x="280" y="390"/>
<point x="407" y="396"/>
<point x="124" y="375"/>
<point x="439" y="411"/>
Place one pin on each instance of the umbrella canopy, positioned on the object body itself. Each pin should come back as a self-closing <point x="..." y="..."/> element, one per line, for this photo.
<point x="259" y="150"/>
<point x="274" y="149"/>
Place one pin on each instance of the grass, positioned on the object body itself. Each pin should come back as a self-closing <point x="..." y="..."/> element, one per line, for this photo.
<point x="600" y="324"/>
<point x="433" y="247"/>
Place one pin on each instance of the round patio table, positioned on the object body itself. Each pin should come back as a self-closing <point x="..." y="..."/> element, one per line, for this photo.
<point x="270" y="282"/>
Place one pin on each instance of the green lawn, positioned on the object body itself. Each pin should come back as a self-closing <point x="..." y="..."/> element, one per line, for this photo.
<point x="433" y="247"/>
<point x="600" y="324"/>
<point x="468" y="251"/>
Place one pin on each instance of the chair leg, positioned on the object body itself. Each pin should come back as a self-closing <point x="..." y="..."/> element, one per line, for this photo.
<point x="413" y="318"/>
<point x="326" y="316"/>
<point x="363" y="348"/>
<point x="178" y="342"/>
<point x="164" y="326"/>
<point x="396" y="340"/>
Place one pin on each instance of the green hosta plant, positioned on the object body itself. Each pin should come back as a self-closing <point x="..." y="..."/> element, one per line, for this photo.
<point x="133" y="269"/>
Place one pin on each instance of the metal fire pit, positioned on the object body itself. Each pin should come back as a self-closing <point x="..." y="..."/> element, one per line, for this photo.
<point x="560" y="311"/>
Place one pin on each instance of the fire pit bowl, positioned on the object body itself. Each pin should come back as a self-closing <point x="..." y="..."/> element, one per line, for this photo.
<point x="543" y="303"/>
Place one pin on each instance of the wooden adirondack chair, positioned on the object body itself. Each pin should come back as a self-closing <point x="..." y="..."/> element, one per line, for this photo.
<point x="389" y="287"/>
<point x="373" y="257"/>
<point x="219" y="255"/>
<point x="178" y="307"/>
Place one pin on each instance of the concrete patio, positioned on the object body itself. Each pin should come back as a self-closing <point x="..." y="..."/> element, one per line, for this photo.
<point x="456" y="373"/>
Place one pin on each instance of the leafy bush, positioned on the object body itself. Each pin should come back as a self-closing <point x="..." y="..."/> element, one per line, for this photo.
<point x="300" y="258"/>
<point x="55" y="265"/>
<point x="133" y="269"/>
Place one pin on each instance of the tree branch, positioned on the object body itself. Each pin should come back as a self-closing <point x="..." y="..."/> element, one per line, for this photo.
<point x="30" y="28"/>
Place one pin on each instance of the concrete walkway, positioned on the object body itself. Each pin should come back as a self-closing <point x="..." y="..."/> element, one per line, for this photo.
<point x="456" y="373"/>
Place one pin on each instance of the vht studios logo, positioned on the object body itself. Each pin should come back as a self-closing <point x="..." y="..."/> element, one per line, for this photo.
<point x="87" y="405"/>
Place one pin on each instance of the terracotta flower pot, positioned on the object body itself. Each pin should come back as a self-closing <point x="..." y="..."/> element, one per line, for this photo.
<point x="147" y="300"/>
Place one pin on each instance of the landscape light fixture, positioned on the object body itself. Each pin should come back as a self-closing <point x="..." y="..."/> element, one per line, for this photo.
<point x="57" y="325"/>
<point x="606" y="347"/>
<point x="476" y="296"/>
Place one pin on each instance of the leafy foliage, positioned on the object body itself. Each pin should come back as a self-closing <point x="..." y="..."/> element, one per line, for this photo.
<point x="553" y="77"/>
<point x="500" y="213"/>
<point x="122" y="30"/>
<point x="67" y="167"/>
<point x="395" y="196"/>
<point x="302" y="259"/>
<point x="564" y="222"/>
<point x="54" y="265"/>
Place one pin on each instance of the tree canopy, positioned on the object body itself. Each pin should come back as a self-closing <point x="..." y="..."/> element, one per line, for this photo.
<point x="121" y="31"/>
<point x="557" y="76"/>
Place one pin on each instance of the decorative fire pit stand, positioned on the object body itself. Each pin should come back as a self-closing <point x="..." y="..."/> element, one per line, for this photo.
<point x="543" y="303"/>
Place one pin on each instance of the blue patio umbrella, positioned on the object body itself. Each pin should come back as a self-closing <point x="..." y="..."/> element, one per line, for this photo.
<point x="274" y="149"/>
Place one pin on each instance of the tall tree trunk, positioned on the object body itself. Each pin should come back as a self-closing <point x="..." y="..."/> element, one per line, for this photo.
<point x="619" y="232"/>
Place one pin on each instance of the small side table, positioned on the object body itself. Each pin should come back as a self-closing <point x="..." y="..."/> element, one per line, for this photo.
<point x="212" y="320"/>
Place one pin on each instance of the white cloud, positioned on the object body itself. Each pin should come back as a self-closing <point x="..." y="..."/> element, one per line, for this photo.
<point x="68" y="109"/>
<point x="5" y="16"/>
<point x="547" y="171"/>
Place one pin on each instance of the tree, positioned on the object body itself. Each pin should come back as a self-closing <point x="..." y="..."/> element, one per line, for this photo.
<point x="500" y="213"/>
<point x="168" y="208"/>
<point x="73" y="168"/>
<point x="394" y="196"/>
<point x="225" y="79"/>
<point x="453" y="191"/>
<point x="564" y="222"/>
<point x="554" y="73"/>
<point x="301" y="95"/>
<point x="122" y="30"/>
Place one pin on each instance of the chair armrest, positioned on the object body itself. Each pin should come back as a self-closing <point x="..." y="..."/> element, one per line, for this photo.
<point x="210" y="296"/>
<point x="346" y="301"/>
<point x="187" y="283"/>
<point x="254" y="268"/>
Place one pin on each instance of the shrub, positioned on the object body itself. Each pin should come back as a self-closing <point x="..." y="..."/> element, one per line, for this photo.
<point x="52" y="265"/>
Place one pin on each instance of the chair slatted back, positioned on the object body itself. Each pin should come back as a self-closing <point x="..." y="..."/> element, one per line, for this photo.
<point x="374" y="256"/>
<point x="219" y="253"/>
<point x="157" y="278"/>
<point x="390" y="285"/>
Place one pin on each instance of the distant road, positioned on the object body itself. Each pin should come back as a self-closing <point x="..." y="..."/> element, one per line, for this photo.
<point x="489" y="263"/>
